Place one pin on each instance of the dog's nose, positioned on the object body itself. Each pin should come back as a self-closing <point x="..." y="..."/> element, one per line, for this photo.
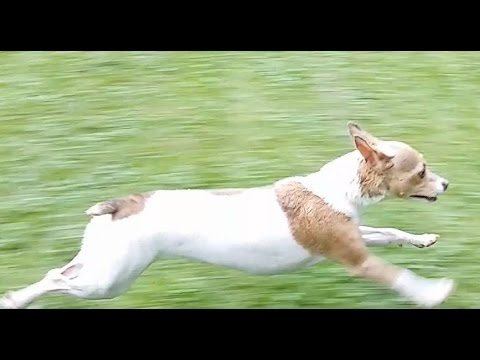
<point x="445" y="185"/>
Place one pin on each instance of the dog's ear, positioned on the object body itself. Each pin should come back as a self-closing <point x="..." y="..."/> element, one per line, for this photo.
<point x="372" y="155"/>
<point x="353" y="127"/>
<point x="355" y="130"/>
<point x="368" y="153"/>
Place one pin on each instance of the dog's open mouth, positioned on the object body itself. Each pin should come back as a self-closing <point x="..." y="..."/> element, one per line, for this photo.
<point x="428" y="198"/>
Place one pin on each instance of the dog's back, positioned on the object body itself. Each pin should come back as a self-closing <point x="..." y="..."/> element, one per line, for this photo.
<point x="239" y="228"/>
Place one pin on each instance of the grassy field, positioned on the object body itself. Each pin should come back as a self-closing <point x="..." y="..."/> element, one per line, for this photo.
<point x="77" y="128"/>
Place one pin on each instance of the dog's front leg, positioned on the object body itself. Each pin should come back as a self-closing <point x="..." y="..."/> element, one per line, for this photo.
<point x="391" y="236"/>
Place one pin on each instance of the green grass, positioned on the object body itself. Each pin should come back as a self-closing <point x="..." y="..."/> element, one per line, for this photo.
<point x="77" y="128"/>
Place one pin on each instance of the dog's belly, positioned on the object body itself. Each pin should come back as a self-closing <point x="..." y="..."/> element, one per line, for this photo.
<point x="246" y="231"/>
<point x="259" y="256"/>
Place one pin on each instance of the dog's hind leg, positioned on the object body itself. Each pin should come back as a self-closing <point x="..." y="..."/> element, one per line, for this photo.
<point x="95" y="273"/>
<point x="55" y="281"/>
<point x="391" y="236"/>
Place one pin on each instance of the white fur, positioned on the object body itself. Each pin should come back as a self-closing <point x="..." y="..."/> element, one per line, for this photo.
<point x="423" y="292"/>
<point x="390" y="236"/>
<point x="338" y="183"/>
<point x="440" y="184"/>
<point x="247" y="231"/>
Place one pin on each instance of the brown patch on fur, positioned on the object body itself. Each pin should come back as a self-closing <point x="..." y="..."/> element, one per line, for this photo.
<point x="407" y="159"/>
<point x="375" y="269"/>
<point x="372" y="182"/>
<point x="318" y="228"/>
<point x="397" y="174"/>
<point x="323" y="231"/>
<point x="405" y="179"/>
<point x="122" y="208"/>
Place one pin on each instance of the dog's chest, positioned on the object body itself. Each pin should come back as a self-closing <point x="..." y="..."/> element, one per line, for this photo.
<point x="314" y="223"/>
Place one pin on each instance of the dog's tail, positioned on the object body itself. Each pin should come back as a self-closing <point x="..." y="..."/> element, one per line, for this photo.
<point x="103" y="208"/>
<point x="121" y="207"/>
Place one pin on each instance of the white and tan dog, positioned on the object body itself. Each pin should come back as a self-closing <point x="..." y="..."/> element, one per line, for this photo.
<point x="296" y="222"/>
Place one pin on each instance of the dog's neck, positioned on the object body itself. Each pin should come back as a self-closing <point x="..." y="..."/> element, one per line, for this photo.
<point x="346" y="184"/>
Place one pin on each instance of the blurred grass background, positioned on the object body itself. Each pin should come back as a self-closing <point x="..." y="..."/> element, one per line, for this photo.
<point x="80" y="127"/>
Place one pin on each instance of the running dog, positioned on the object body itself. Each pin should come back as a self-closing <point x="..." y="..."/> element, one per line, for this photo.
<point x="293" y="223"/>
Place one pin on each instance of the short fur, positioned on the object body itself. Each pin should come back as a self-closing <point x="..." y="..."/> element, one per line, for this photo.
<point x="294" y="223"/>
<point x="318" y="228"/>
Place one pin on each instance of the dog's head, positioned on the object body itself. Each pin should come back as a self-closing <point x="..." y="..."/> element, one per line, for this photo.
<point x="394" y="168"/>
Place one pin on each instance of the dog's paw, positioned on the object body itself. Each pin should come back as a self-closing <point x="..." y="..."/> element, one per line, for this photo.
<point x="7" y="302"/>
<point x="424" y="240"/>
<point x="434" y="293"/>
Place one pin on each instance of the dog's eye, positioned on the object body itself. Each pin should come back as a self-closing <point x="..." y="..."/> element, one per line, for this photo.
<point x="422" y="173"/>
